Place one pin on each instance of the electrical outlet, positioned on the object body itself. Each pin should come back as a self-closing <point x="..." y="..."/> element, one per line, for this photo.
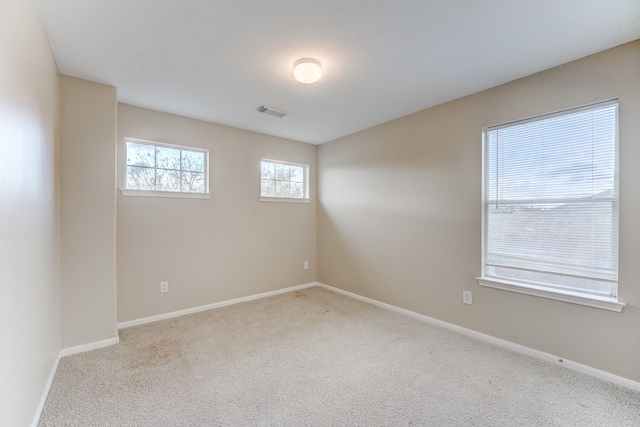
<point x="306" y="265"/>
<point x="164" y="286"/>
<point x="467" y="297"/>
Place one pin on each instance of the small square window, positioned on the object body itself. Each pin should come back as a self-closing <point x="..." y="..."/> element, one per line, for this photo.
<point x="284" y="181"/>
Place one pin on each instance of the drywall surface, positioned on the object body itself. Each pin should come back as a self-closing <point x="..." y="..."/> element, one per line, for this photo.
<point x="210" y="250"/>
<point x="29" y="212"/>
<point x="88" y="195"/>
<point x="399" y="216"/>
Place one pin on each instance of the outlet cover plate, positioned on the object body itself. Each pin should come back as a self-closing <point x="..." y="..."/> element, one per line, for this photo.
<point x="467" y="297"/>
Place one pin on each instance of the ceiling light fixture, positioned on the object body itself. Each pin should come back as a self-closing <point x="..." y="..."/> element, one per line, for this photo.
<point x="307" y="70"/>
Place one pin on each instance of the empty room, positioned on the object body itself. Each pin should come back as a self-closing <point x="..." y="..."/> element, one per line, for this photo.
<point x="296" y="213"/>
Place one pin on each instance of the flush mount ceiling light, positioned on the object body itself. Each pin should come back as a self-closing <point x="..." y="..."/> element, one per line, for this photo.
<point x="307" y="70"/>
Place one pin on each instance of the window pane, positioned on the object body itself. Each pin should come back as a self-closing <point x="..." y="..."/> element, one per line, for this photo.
<point x="167" y="180"/>
<point x="283" y="180"/>
<point x="268" y="170"/>
<point x="567" y="156"/>
<point x="268" y="188"/>
<point x="297" y="190"/>
<point x="193" y="182"/>
<point x="572" y="237"/>
<point x="166" y="168"/>
<point x="168" y="158"/>
<point x="297" y="174"/>
<point x="283" y="189"/>
<point x="140" y="155"/>
<point x="282" y="172"/>
<point x="192" y="161"/>
<point x="140" y="178"/>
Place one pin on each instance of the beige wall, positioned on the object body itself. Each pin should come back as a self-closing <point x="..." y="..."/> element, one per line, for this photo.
<point x="88" y="191"/>
<point x="399" y="216"/>
<point x="29" y="237"/>
<point x="210" y="250"/>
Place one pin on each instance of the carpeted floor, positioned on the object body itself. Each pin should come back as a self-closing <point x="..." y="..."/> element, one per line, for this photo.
<point x="317" y="358"/>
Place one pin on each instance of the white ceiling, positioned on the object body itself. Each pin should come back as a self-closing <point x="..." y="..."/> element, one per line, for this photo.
<point x="219" y="60"/>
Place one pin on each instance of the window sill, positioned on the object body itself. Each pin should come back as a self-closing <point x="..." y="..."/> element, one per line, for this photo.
<point x="284" y="199"/>
<point x="566" y="296"/>
<point x="174" y="194"/>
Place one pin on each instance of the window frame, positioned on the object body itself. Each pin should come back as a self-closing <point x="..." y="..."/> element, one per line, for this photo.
<point x="540" y="290"/>
<point x="158" y="193"/>
<point x="305" y="199"/>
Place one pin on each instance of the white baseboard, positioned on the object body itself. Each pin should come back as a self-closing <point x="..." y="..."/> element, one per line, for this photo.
<point x="45" y="392"/>
<point x="88" y="347"/>
<point x="192" y="310"/>
<point x="556" y="360"/>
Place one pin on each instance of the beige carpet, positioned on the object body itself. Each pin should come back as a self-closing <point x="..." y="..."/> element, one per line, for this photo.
<point x="316" y="358"/>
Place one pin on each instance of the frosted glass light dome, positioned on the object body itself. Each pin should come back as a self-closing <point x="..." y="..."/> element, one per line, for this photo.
<point x="307" y="70"/>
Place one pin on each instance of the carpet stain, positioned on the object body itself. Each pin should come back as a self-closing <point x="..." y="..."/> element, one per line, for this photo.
<point x="298" y="294"/>
<point x="155" y="354"/>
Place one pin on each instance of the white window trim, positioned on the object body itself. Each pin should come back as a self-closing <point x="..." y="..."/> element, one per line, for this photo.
<point x="170" y="194"/>
<point x="284" y="199"/>
<point x="165" y="194"/>
<point x="595" y="301"/>
<point x="306" y="199"/>
<point x="604" y="303"/>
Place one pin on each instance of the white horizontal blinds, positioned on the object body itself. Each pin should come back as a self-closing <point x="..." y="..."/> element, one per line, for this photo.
<point x="552" y="200"/>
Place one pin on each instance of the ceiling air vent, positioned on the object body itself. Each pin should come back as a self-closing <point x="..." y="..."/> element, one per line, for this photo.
<point x="272" y="111"/>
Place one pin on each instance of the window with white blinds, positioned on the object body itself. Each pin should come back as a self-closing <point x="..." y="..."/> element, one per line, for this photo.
<point x="551" y="201"/>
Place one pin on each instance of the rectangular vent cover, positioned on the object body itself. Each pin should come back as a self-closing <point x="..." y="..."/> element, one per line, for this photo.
<point x="272" y="111"/>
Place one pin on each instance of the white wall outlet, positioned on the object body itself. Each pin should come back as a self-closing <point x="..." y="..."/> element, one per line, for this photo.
<point x="306" y="265"/>
<point x="164" y="286"/>
<point x="467" y="297"/>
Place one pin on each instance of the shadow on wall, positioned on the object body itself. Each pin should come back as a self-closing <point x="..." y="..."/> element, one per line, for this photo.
<point x="407" y="226"/>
